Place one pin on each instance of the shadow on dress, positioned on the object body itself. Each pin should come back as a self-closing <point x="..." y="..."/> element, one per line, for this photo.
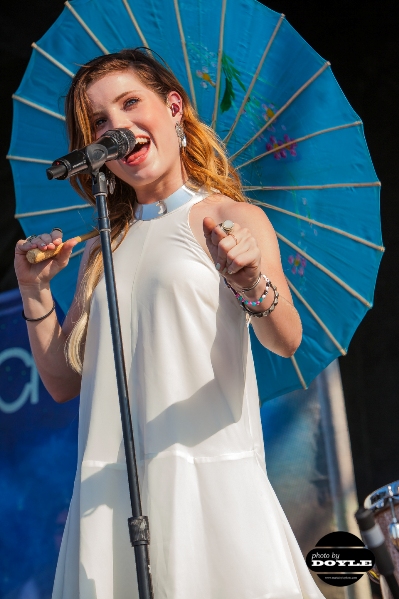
<point x="194" y="420"/>
<point x="213" y="407"/>
<point x="87" y="586"/>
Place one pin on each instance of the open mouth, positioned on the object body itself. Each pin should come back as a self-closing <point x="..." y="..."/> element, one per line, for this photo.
<point x="139" y="151"/>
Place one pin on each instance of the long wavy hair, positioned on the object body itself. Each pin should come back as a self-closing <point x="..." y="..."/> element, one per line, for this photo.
<point x="204" y="161"/>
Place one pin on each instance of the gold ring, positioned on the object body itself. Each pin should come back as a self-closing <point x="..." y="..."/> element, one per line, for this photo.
<point x="234" y="237"/>
<point x="227" y="226"/>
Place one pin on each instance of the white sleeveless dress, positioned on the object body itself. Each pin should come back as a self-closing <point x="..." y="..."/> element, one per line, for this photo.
<point x="217" y="528"/>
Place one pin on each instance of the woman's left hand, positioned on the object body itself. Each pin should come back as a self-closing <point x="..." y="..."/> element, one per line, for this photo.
<point x="236" y="255"/>
<point x="251" y="248"/>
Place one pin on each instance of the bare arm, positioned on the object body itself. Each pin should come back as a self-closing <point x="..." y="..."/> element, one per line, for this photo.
<point x="47" y="338"/>
<point x="281" y="331"/>
<point x="253" y="249"/>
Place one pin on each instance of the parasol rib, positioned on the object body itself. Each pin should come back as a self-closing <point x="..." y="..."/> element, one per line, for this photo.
<point x="135" y="23"/>
<point x="219" y="67"/>
<point x="380" y="248"/>
<point x="325" y="270"/>
<point x="52" y="211"/>
<point x="281" y="110"/>
<point x="298" y="372"/>
<point x="38" y="107"/>
<point x="294" y="187"/>
<point x="317" y="318"/>
<point x="52" y="59"/>
<point x="77" y="252"/>
<point x="86" y="28"/>
<point x="297" y="141"/>
<point x="184" y="48"/>
<point x="25" y="159"/>
<point x="254" y="79"/>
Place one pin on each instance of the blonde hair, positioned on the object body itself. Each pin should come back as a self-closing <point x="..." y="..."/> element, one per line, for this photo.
<point x="204" y="160"/>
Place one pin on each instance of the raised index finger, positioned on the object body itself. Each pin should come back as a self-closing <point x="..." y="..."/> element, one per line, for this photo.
<point x="209" y="226"/>
<point x="213" y="232"/>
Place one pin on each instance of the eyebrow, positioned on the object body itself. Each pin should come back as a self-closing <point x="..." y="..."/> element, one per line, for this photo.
<point x="115" y="100"/>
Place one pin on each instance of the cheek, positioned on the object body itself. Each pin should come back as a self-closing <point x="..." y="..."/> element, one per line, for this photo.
<point x="170" y="141"/>
<point x="118" y="170"/>
<point x="114" y="167"/>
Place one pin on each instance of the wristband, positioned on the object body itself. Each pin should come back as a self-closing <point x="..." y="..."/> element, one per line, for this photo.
<point x="38" y="319"/>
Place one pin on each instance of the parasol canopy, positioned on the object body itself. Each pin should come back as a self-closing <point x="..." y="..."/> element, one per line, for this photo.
<point x="289" y="130"/>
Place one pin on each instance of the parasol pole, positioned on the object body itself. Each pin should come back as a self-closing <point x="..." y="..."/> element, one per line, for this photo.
<point x="138" y="524"/>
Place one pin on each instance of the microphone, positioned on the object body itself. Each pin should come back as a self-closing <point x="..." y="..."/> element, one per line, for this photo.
<point x="113" y="145"/>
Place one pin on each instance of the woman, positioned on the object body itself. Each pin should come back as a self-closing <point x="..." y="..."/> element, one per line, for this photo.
<point x="217" y="529"/>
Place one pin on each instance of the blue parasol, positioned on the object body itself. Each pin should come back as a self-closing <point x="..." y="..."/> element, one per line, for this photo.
<point x="290" y="131"/>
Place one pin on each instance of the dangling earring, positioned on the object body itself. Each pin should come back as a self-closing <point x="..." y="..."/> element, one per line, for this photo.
<point x="111" y="182"/>
<point x="175" y="109"/>
<point x="181" y="136"/>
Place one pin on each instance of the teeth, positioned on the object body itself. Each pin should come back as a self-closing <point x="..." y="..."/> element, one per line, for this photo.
<point x="142" y="140"/>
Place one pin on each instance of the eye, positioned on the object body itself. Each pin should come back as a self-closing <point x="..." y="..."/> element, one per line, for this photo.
<point x="98" y="123"/>
<point x="131" y="102"/>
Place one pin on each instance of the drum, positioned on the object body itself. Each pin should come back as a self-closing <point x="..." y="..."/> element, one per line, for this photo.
<point x="384" y="503"/>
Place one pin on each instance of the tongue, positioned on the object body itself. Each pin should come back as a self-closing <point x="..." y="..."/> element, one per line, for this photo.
<point x="141" y="149"/>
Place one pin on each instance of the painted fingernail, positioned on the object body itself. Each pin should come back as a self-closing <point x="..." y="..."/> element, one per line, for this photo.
<point x="217" y="266"/>
<point x="42" y="245"/>
<point x="229" y="272"/>
<point x="224" y="270"/>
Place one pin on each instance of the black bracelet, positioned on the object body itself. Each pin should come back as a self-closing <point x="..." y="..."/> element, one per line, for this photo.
<point x="38" y="319"/>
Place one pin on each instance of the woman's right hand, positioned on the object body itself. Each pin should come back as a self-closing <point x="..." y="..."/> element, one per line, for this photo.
<point x="39" y="275"/>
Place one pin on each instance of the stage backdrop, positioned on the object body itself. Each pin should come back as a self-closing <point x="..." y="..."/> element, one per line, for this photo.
<point x="37" y="464"/>
<point x="38" y="461"/>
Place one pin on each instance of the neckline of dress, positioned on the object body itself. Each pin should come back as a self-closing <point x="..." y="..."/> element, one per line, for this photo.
<point x="157" y="209"/>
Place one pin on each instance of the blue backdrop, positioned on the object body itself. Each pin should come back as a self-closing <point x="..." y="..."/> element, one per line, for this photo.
<point x="37" y="464"/>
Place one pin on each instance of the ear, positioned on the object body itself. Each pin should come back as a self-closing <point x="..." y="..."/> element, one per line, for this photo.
<point x="175" y="98"/>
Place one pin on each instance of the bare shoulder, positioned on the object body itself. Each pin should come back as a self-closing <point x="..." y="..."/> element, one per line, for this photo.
<point x="213" y="201"/>
<point x="246" y="215"/>
<point x="222" y="208"/>
<point x="244" y="210"/>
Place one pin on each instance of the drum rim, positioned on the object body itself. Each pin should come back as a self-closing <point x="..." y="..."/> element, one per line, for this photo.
<point x="378" y="499"/>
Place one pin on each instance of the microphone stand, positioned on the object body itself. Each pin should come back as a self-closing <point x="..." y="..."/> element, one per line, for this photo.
<point x="138" y="524"/>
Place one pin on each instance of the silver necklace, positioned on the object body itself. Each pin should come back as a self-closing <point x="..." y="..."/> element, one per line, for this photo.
<point x="158" y="209"/>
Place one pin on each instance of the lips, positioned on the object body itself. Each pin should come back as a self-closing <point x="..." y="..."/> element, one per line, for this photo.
<point x="139" y="152"/>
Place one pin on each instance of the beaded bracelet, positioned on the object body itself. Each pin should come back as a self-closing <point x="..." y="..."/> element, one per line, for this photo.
<point x="244" y="305"/>
<point x="247" y="302"/>
<point x="269" y="310"/>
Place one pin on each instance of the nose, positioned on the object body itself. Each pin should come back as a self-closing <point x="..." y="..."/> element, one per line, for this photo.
<point x="119" y="124"/>
<point x="119" y="120"/>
